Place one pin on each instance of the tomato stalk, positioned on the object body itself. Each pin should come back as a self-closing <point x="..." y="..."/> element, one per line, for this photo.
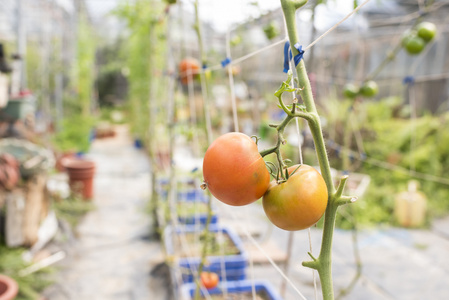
<point x="208" y="129"/>
<point x="203" y="78"/>
<point x="322" y="263"/>
<point x="205" y="235"/>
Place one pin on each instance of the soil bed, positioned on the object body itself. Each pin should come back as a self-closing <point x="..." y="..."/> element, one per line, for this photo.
<point x="190" y="244"/>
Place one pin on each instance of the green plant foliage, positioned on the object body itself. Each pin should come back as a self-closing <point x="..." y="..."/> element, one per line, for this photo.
<point x="145" y="48"/>
<point x="74" y="134"/>
<point x="72" y="209"/>
<point x="390" y="137"/>
<point x="11" y="263"/>
<point x="85" y="61"/>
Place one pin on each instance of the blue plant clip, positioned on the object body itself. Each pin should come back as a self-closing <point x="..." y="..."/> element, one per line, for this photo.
<point x="225" y="62"/>
<point x="408" y="80"/>
<point x="288" y="55"/>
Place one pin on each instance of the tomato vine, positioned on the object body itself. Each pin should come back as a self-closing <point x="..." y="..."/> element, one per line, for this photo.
<point x="308" y="111"/>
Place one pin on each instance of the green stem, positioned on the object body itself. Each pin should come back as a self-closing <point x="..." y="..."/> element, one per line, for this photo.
<point x="323" y="264"/>
<point x="208" y="129"/>
<point x="205" y="234"/>
<point x="151" y="131"/>
<point x="357" y="258"/>
<point x="203" y="78"/>
<point x="390" y="57"/>
<point x="347" y="134"/>
<point x="289" y="8"/>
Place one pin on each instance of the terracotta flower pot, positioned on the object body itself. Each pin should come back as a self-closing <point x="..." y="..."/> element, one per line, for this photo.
<point x="8" y="288"/>
<point x="81" y="174"/>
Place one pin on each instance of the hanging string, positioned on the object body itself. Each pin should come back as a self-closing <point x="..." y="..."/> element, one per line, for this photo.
<point x="249" y="55"/>
<point x="255" y="243"/>
<point x="231" y="81"/>
<point x="189" y="255"/>
<point x="236" y="128"/>
<point x="413" y="117"/>
<point x="246" y="232"/>
<point x="409" y="17"/>
<point x="287" y="66"/>
<point x="387" y="165"/>
<point x="301" y="161"/>
<point x="336" y="25"/>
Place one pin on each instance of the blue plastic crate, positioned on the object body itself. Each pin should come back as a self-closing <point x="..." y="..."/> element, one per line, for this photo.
<point x="235" y="265"/>
<point x="192" y="195"/>
<point x="234" y="287"/>
<point x="187" y="195"/>
<point x="198" y="219"/>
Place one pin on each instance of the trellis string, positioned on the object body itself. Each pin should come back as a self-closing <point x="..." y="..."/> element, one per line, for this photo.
<point x="231" y="81"/>
<point x="249" y="55"/>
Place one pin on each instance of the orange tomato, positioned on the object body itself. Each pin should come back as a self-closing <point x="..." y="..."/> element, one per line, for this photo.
<point x="209" y="280"/>
<point x="234" y="171"/>
<point x="188" y="69"/>
<point x="299" y="202"/>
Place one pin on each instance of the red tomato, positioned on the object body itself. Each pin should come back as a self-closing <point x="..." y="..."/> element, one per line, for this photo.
<point x="234" y="171"/>
<point x="188" y="69"/>
<point x="209" y="280"/>
<point x="297" y="203"/>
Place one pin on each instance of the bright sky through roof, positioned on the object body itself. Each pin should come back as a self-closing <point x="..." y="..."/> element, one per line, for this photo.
<point x="220" y="13"/>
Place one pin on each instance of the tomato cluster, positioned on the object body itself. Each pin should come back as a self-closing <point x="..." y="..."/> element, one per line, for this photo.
<point x="236" y="174"/>
<point x="414" y="41"/>
<point x="369" y="89"/>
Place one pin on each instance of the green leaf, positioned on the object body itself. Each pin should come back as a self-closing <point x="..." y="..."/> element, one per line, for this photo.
<point x="301" y="107"/>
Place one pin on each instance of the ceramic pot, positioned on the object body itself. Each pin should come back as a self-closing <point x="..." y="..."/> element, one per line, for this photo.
<point x="8" y="288"/>
<point x="81" y="175"/>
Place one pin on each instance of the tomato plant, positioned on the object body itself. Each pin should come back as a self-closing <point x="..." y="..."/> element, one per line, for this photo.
<point x="234" y="171"/>
<point x="209" y="280"/>
<point x="299" y="202"/>
<point x="426" y="31"/>
<point x="188" y="69"/>
<point x="369" y="89"/>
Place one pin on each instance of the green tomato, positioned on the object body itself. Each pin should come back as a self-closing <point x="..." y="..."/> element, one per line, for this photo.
<point x="351" y="90"/>
<point x="415" y="45"/>
<point x="406" y="36"/>
<point x="271" y="30"/>
<point x="426" y="31"/>
<point x="369" y="89"/>
<point x="236" y="40"/>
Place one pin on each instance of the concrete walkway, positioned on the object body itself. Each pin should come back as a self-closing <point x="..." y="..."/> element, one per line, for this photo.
<point x="113" y="256"/>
